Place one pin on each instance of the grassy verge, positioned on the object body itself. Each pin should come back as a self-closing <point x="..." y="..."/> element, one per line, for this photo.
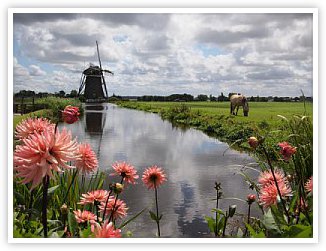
<point x="214" y="119"/>
<point x="44" y="113"/>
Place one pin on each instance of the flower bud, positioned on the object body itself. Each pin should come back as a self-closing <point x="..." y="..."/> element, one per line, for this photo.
<point x="251" y="198"/>
<point x="253" y="142"/>
<point x="118" y="188"/>
<point x="64" y="209"/>
<point x="232" y="209"/>
<point x="70" y="114"/>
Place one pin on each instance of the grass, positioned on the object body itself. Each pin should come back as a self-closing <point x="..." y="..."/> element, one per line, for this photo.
<point x="214" y="119"/>
<point x="259" y="111"/>
<point x="44" y="113"/>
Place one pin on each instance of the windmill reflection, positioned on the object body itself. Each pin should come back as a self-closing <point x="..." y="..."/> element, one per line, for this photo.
<point x="95" y="119"/>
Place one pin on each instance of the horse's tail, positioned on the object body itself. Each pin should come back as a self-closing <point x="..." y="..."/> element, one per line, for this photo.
<point x="231" y="110"/>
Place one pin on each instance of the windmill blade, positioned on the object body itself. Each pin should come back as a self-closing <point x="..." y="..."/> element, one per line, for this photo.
<point x="106" y="91"/>
<point x="82" y="84"/>
<point x="98" y="55"/>
<point x="108" y="71"/>
<point x="99" y="60"/>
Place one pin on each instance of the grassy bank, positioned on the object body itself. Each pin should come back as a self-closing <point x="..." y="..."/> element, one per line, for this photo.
<point x="214" y="118"/>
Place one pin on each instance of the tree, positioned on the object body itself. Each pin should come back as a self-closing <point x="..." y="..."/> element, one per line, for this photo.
<point x="202" y="97"/>
<point x="62" y="93"/>
<point x="73" y="93"/>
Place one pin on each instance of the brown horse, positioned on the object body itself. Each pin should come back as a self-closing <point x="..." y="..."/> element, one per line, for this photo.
<point x="238" y="100"/>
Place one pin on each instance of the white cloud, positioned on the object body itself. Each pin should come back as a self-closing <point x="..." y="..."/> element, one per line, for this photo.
<point x="161" y="54"/>
<point x="35" y="70"/>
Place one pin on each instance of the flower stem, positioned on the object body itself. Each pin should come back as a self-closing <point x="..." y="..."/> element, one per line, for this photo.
<point x="217" y="187"/>
<point x="248" y="221"/>
<point x="157" y="219"/>
<point x="276" y="184"/>
<point x="106" y="204"/>
<point x="115" y="203"/>
<point x="46" y="180"/>
<point x="72" y="181"/>
<point x="226" y="221"/>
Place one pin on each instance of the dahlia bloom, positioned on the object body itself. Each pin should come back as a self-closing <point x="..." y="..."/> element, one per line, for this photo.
<point x="253" y="142"/>
<point x="94" y="196"/>
<point x="106" y="231"/>
<point x="287" y="150"/>
<point x="30" y="126"/>
<point x="70" y="114"/>
<point x="85" y="216"/>
<point x="268" y="195"/>
<point x="308" y="186"/>
<point x="120" y="209"/>
<point x="153" y="177"/>
<point x="41" y="153"/>
<point x="126" y="171"/>
<point x="265" y="178"/>
<point x="87" y="162"/>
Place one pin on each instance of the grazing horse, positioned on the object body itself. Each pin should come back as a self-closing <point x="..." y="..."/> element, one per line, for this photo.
<point x="239" y="100"/>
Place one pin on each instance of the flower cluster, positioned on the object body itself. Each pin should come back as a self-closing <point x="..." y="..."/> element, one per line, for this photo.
<point x="126" y="171"/>
<point x="87" y="161"/>
<point x="153" y="177"/>
<point x="70" y="114"/>
<point x="287" y="150"/>
<point x="94" y="197"/>
<point x="268" y="194"/>
<point x="40" y="153"/>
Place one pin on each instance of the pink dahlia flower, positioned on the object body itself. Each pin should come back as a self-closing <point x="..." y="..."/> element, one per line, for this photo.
<point x="126" y="171"/>
<point x="265" y="178"/>
<point x="287" y="150"/>
<point x="107" y="230"/>
<point x="268" y="195"/>
<point x="153" y="177"/>
<point x="85" y="216"/>
<point x="94" y="196"/>
<point x="120" y="209"/>
<point x="30" y="126"/>
<point x="41" y="153"/>
<point x="87" y="162"/>
<point x="70" y="114"/>
<point x="308" y="186"/>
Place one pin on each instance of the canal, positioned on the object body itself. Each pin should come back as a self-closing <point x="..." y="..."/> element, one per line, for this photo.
<point x="192" y="161"/>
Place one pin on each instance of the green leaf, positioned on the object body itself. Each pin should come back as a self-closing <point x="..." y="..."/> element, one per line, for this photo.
<point x="253" y="233"/>
<point x="299" y="231"/>
<point x="219" y="211"/>
<point x="153" y="216"/>
<point x="86" y="232"/>
<point x="73" y="225"/>
<point x="211" y="223"/>
<point x="269" y="222"/>
<point x="52" y="189"/>
<point x="131" y="219"/>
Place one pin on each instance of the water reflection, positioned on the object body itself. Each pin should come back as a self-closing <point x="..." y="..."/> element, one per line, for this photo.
<point x="192" y="161"/>
<point x="95" y="119"/>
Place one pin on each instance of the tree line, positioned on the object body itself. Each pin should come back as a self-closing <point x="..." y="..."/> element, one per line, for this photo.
<point x="170" y="98"/>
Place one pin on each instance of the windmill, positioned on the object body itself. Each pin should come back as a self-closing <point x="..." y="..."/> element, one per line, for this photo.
<point x="93" y="81"/>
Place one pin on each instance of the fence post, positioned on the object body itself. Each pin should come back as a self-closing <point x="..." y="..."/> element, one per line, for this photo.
<point x="21" y="106"/>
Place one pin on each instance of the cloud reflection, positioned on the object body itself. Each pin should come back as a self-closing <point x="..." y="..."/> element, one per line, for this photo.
<point x="191" y="160"/>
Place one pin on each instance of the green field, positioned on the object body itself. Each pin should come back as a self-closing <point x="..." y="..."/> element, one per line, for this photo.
<point x="214" y="118"/>
<point x="259" y="111"/>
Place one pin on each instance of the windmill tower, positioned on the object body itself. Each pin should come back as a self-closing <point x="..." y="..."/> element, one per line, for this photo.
<point x="93" y="82"/>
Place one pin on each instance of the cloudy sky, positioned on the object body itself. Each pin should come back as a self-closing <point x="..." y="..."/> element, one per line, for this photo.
<point x="161" y="54"/>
